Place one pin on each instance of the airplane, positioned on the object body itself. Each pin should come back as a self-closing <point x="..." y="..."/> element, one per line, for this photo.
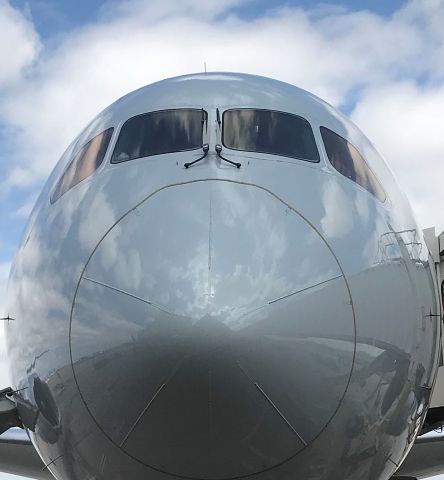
<point x="221" y="279"/>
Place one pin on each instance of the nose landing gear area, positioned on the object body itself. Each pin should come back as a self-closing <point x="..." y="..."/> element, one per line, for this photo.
<point x="219" y="328"/>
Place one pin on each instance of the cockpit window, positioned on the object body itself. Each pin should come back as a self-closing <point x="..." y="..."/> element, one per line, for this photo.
<point x="268" y="131"/>
<point x="85" y="162"/>
<point x="165" y="131"/>
<point x="346" y="159"/>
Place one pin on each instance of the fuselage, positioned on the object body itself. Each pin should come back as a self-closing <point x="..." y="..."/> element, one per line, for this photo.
<point x="275" y="320"/>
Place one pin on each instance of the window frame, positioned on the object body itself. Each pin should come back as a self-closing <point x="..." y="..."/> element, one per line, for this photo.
<point x="52" y="197"/>
<point x="272" y="153"/>
<point x="367" y="166"/>
<point x="112" y="162"/>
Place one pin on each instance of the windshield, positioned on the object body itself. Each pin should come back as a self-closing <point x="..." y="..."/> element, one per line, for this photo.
<point x="346" y="159"/>
<point x="268" y="131"/>
<point x="164" y="131"/>
<point x="84" y="163"/>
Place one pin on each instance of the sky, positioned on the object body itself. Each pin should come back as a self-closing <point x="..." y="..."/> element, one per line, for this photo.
<point x="380" y="62"/>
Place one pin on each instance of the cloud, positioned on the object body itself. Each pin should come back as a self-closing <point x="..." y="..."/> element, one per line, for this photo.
<point x="330" y="52"/>
<point x="402" y="119"/>
<point x="387" y="70"/>
<point x="428" y="17"/>
<point x="155" y="12"/>
<point x="19" y="44"/>
<point x="25" y="209"/>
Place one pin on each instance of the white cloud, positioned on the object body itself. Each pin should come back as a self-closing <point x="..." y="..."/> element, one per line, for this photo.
<point x="25" y="209"/>
<point x="403" y="120"/>
<point x="329" y="52"/>
<point x="428" y="16"/>
<point x="19" y="43"/>
<point x="155" y="12"/>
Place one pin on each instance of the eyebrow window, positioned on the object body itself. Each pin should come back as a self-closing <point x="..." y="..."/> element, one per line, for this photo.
<point x="347" y="160"/>
<point x="85" y="162"/>
<point x="268" y="131"/>
<point x="154" y="133"/>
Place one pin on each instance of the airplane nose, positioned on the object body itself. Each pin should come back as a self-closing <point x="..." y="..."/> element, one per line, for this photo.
<point x="212" y="331"/>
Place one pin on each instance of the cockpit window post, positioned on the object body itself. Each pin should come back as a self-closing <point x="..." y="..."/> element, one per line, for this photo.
<point x="218" y="128"/>
<point x="204" y="121"/>
<point x="218" y="145"/>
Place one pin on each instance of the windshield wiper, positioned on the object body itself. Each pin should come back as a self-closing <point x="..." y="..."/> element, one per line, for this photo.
<point x="205" y="148"/>
<point x="204" y="120"/>
<point x="218" y="152"/>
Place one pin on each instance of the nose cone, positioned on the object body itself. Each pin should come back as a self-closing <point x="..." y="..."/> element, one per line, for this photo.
<point x="212" y="333"/>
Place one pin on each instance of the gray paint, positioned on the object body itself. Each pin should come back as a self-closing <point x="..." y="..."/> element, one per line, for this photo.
<point x="214" y="322"/>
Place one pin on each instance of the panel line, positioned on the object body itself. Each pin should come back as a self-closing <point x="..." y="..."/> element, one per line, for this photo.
<point x="272" y="404"/>
<point x="148" y="405"/>
<point x="304" y="289"/>
<point x="118" y="290"/>
<point x="148" y="302"/>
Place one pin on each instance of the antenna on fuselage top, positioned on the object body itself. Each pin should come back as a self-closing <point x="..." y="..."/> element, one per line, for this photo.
<point x="205" y="67"/>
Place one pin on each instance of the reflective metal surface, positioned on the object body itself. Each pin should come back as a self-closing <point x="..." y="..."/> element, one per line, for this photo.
<point x="217" y="337"/>
<point x="275" y="320"/>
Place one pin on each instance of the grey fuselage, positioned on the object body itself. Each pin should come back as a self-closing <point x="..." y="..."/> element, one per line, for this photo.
<point x="274" y="321"/>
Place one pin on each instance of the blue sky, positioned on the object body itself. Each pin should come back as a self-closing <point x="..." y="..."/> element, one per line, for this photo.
<point x="63" y="61"/>
<point x="52" y="17"/>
